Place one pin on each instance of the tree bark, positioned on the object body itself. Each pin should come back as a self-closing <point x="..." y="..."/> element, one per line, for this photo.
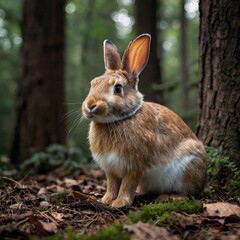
<point x="219" y="73"/>
<point x="40" y="99"/>
<point x="184" y="57"/>
<point x="146" y="22"/>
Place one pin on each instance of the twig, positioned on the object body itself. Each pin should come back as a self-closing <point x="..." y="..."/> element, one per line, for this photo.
<point x="11" y="180"/>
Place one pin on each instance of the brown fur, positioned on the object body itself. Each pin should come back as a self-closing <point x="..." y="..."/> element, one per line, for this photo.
<point x="132" y="140"/>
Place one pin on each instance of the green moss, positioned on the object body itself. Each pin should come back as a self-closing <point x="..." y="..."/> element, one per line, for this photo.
<point x="115" y="232"/>
<point x="162" y="212"/>
<point x="165" y="219"/>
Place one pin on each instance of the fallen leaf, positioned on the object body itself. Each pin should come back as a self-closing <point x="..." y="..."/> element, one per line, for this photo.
<point x="57" y="216"/>
<point x="55" y="188"/>
<point x="42" y="226"/>
<point x="69" y="182"/>
<point x="42" y="192"/>
<point x="29" y="197"/>
<point x="186" y="220"/>
<point x="45" y="204"/>
<point x="143" y="231"/>
<point x="220" y="209"/>
<point x="59" y="182"/>
<point x="49" y="227"/>
<point x="84" y="196"/>
<point x="216" y="229"/>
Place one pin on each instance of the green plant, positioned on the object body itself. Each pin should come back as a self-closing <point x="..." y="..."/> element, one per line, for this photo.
<point x="216" y="160"/>
<point x="216" y="163"/>
<point x="55" y="156"/>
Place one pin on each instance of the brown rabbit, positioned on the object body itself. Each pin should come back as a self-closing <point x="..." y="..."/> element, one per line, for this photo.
<point x="141" y="146"/>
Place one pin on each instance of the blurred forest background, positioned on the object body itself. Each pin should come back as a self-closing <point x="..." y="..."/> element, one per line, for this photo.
<point x="87" y="24"/>
<point x="50" y="50"/>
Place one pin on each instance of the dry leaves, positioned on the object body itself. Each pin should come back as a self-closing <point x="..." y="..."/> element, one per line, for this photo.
<point x="46" y="204"/>
<point x="143" y="231"/>
<point x="217" y="219"/>
<point x="41" y="226"/>
<point x="221" y="209"/>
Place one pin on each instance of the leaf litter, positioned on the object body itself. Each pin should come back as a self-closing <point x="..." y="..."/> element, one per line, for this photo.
<point x="46" y="204"/>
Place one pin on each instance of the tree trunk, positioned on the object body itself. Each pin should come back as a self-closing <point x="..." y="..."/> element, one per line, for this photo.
<point x="184" y="57"/>
<point x="219" y="69"/>
<point x="40" y="100"/>
<point x="146" y="22"/>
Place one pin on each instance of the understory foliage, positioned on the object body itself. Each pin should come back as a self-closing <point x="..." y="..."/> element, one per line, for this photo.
<point x="54" y="157"/>
<point x="217" y="165"/>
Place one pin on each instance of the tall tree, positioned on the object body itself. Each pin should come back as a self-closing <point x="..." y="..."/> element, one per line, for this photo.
<point x="40" y="99"/>
<point x="184" y="56"/>
<point x="146" y="22"/>
<point x="219" y="69"/>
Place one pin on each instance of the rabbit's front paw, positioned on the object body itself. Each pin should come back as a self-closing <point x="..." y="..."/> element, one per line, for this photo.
<point x="107" y="198"/>
<point x="121" y="202"/>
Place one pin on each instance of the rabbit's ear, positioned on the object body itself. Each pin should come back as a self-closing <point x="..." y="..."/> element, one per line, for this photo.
<point x="111" y="56"/>
<point x="136" y="55"/>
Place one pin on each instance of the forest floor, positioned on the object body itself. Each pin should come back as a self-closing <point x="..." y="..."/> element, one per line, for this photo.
<point x="60" y="206"/>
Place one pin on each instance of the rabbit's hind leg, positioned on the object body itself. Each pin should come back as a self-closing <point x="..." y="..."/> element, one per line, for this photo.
<point x="194" y="177"/>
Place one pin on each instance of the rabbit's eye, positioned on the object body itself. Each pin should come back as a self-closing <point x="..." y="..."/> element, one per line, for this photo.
<point x="118" y="88"/>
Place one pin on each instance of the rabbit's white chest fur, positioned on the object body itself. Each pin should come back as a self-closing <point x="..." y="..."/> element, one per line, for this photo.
<point x="112" y="162"/>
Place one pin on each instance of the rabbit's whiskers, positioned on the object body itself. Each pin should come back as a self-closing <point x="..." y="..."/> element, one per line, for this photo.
<point x="75" y="118"/>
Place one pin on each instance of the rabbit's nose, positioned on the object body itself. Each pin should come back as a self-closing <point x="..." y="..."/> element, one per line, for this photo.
<point x="92" y="107"/>
<point x="90" y="104"/>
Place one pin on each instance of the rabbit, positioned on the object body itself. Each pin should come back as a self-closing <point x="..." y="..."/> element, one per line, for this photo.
<point x="142" y="147"/>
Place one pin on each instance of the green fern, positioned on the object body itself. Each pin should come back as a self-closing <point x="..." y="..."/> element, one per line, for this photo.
<point x="216" y="162"/>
